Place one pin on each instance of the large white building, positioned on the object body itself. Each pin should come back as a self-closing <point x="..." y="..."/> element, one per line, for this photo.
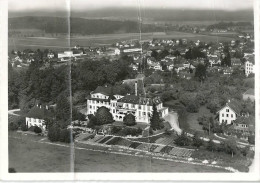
<point x="229" y="112"/>
<point x="120" y="105"/>
<point x="249" y="67"/>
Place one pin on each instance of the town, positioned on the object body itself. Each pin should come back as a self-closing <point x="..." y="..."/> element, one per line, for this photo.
<point x="179" y="99"/>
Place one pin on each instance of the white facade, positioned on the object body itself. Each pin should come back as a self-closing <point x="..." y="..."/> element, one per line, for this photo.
<point x="249" y="68"/>
<point x="120" y="109"/>
<point x="35" y="122"/>
<point x="226" y="114"/>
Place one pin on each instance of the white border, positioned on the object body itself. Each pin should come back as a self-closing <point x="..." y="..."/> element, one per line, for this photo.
<point x="4" y="175"/>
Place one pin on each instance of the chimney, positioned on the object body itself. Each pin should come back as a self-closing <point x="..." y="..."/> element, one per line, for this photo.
<point x="136" y="88"/>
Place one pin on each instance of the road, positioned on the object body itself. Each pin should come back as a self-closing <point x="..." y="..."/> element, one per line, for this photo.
<point x="11" y="112"/>
<point x="172" y="118"/>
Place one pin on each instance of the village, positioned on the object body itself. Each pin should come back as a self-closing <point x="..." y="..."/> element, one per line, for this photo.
<point x="180" y="98"/>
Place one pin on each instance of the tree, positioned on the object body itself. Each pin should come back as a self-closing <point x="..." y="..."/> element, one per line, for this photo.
<point x="197" y="142"/>
<point x="182" y="140"/>
<point x="211" y="146"/>
<point x="192" y="107"/>
<point x="155" y="119"/>
<point x="63" y="113"/>
<point x="200" y="72"/>
<point x="230" y="146"/>
<point x="104" y="116"/>
<point x="129" y="120"/>
<point x="54" y="133"/>
<point x="65" y="136"/>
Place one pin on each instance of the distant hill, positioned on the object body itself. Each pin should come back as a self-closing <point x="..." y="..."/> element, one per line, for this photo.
<point x="77" y="25"/>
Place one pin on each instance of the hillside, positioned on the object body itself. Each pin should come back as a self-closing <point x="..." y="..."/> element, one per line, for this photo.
<point x="77" y="25"/>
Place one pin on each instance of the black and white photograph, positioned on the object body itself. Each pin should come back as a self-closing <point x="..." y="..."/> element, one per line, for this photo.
<point x="132" y="86"/>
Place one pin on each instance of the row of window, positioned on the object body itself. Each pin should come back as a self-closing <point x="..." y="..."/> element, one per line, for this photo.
<point x="102" y="96"/>
<point x="227" y="115"/>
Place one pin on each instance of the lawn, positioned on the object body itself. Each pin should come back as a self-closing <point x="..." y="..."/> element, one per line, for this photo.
<point x="26" y="155"/>
<point x="192" y="118"/>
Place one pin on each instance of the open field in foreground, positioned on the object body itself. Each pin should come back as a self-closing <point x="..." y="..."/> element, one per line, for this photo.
<point x="62" y="43"/>
<point x="27" y="154"/>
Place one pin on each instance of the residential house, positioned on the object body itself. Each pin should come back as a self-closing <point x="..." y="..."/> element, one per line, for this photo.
<point x="229" y="112"/>
<point x="243" y="126"/>
<point x="228" y="71"/>
<point x="235" y="62"/>
<point x="37" y="116"/>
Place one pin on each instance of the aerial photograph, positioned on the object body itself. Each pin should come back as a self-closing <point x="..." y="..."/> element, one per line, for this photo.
<point x="131" y="86"/>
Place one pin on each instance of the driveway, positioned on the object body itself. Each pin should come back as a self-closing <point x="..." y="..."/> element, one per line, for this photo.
<point x="172" y="118"/>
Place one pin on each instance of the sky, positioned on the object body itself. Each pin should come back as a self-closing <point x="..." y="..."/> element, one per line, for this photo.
<point x="81" y="5"/>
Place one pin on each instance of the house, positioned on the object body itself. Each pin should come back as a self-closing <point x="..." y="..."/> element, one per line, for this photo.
<point x="243" y="125"/>
<point x="140" y="107"/>
<point x="229" y="112"/>
<point x="228" y="71"/>
<point x="235" y="62"/>
<point x="249" y="67"/>
<point x="37" y="116"/>
<point x="249" y="94"/>
<point x="50" y="55"/>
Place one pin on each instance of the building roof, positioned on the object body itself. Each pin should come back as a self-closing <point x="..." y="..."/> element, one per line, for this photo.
<point x="250" y="91"/>
<point x="133" y="99"/>
<point x="40" y="112"/>
<point x="235" y="106"/>
<point x="104" y="90"/>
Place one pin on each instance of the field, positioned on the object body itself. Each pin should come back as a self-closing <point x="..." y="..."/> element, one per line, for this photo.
<point x="61" y="43"/>
<point x="26" y="154"/>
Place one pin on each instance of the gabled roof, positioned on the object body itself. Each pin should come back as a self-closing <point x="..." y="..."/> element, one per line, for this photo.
<point x="104" y="90"/>
<point x="133" y="99"/>
<point x="235" y="106"/>
<point x="40" y="113"/>
<point x="250" y="91"/>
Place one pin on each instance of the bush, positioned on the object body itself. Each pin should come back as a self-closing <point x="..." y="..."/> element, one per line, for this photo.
<point x="12" y="126"/>
<point x="196" y="141"/>
<point x="65" y="136"/>
<point x="37" y="130"/>
<point x="251" y="139"/>
<point x="182" y="140"/>
<point x="129" y="120"/>
<point x="54" y="133"/>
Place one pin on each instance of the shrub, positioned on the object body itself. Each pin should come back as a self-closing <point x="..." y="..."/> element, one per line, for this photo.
<point x="251" y="139"/>
<point x="37" y="129"/>
<point x="12" y="126"/>
<point x="129" y="120"/>
<point x="182" y="140"/>
<point x="192" y="107"/>
<point x="65" y="136"/>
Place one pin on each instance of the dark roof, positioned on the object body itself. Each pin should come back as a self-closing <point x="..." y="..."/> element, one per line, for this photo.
<point x="40" y="113"/>
<point x="249" y="120"/>
<point x="250" y="91"/>
<point x="103" y="90"/>
<point x="139" y="100"/>
<point x="235" y="106"/>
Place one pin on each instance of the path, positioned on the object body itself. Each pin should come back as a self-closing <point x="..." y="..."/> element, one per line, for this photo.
<point x="172" y="118"/>
<point x="11" y="112"/>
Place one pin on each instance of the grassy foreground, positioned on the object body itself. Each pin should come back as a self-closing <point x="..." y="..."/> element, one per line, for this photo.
<point x="27" y="154"/>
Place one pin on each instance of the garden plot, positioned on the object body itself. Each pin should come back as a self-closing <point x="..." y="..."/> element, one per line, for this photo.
<point x="158" y="149"/>
<point x="135" y="145"/>
<point x="181" y="152"/>
<point x="103" y="140"/>
<point x="165" y="141"/>
<point x="144" y="147"/>
<point x="123" y="142"/>
<point x="112" y="141"/>
<point x="166" y="149"/>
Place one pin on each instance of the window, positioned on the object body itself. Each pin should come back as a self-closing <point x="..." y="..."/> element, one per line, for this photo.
<point x="222" y="115"/>
<point x="139" y="107"/>
<point x="231" y="115"/>
<point x="227" y="110"/>
<point x="222" y="120"/>
<point x="144" y="113"/>
<point x="227" y="115"/>
<point x="90" y="107"/>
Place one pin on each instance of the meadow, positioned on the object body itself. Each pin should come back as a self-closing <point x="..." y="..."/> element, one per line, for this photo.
<point x="27" y="154"/>
<point x="59" y="42"/>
